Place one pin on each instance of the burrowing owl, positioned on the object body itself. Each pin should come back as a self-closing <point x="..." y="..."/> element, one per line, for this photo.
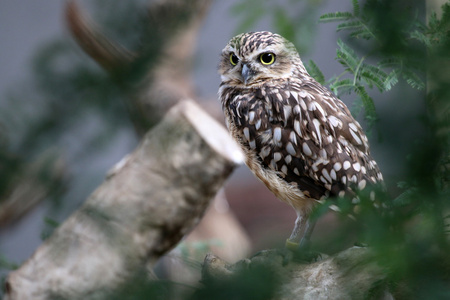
<point x="298" y="138"/>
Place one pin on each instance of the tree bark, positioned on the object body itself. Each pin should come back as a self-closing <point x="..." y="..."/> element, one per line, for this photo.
<point x="350" y="274"/>
<point x="147" y="202"/>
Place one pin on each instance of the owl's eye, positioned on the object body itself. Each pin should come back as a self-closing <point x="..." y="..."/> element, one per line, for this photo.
<point x="234" y="59"/>
<point x="267" y="58"/>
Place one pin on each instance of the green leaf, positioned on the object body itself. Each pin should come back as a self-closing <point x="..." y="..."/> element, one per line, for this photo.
<point x="355" y="4"/>
<point x="421" y="37"/>
<point x="413" y="79"/>
<point x="391" y="80"/>
<point x="337" y="16"/>
<point x="373" y="75"/>
<point x="315" y="72"/>
<point x="368" y="103"/>
<point x="390" y="63"/>
<point x="347" y="57"/>
<point x="343" y="86"/>
<point x="362" y="33"/>
<point x="351" y="25"/>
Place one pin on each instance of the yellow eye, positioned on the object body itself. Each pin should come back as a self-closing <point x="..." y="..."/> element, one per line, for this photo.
<point x="234" y="59"/>
<point x="267" y="58"/>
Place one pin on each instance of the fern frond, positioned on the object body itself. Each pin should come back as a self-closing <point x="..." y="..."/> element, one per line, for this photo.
<point x="373" y="75"/>
<point x="344" y="86"/>
<point x="391" y="80"/>
<point x="362" y="33"/>
<point x="390" y="63"/>
<point x="413" y="79"/>
<point x="347" y="57"/>
<point x="315" y="72"/>
<point x="337" y="16"/>
<point x="369" y="106"/>
<point x="355" y="4"/>
<point x="357" y="107"/>
<point x="351" y="25"/>
<point x="421" y="37"/>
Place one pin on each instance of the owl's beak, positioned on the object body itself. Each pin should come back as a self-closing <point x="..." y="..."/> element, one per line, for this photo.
<point x="247" y="73"/>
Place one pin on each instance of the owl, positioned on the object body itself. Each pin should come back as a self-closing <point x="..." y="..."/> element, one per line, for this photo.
<point x="298" y="138"/>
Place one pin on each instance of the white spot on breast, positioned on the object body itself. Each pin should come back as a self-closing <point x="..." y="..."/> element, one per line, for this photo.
<point x="312" y="106"/>
<point x="344" y="179"/>
<point x="362" y="184"/>
<point x="372" y="195"/>
<point x="322" y="112"/>
<point x="293" y="137"/>
<point x="323" y="153"/>
<point x="277" y="134"/>
<point x="287" y="112"/>
<point x="342" y="194"/>
<point x="302" y="104"/>
<point x="288" y="159"/>
<point x="303" y="93"/>
<point x="296" y="172"/>
<point x="258" y="124"/>
<point x="363" y="170"/>
<point x="251" y="117"/>
<point x="284" y="169"/>
<point x="333" y="121"/>
<point x="347" y="165"/>
<point x="337" y="166"/>
<point x="335" y="207"/>
<point x="326" y="175"/>
<point x="306" y="149"/>
<point x="353" y="127"/>
<point x="280" y="98"/>
<point x="276" y="156"/>
<point x="317" y="127"/>
<point x="252" y="144"/>
<point x="357" y="167"/>
<point x="296" y="110"/>
<point x="333" y="174"/>
<point x="330" y="139"/>
<point x="356" y="138"/>
<point x="247" y="133"/>
<point x="297" y="127"/>
<point x="356" y="200"/>
<point x="264" y="152"/>
<point x="354" y="179"/>
<point x="290" y="149"/>
<point x="323" y="179"/>
<point x="273" y="166"/>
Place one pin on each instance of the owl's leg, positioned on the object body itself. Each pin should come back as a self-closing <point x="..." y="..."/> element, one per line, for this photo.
<point x="293" y="242"/>
<point x="304" y="242"/>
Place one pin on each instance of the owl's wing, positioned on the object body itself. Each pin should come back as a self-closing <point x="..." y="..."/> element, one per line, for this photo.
<point x="309" y="137"/>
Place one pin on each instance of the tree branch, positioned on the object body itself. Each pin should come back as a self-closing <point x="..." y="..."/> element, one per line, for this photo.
<point x="146" y="204"/>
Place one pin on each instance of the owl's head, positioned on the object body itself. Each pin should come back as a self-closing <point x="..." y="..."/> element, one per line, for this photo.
<point x="250" y="59"/>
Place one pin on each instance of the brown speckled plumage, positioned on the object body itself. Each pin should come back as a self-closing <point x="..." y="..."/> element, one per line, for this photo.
<point x="298" y="138"/>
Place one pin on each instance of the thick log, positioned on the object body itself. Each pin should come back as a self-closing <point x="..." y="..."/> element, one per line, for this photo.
<point x="146" y="204"/>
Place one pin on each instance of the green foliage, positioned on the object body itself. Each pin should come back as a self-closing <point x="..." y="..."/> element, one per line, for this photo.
<point x="258" y="283"/>
<point x="410" y="236"/>
<point x="384" y="74"/>
<point x="315" y="72"/>
<point x="295" y="20"/>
